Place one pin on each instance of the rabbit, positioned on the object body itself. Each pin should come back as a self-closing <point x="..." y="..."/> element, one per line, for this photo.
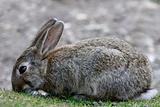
<point x="104" y="68"/>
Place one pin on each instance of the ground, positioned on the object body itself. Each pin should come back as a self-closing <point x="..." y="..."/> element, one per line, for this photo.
<point x="12" y="99"/>
<point x="136" y="21"/>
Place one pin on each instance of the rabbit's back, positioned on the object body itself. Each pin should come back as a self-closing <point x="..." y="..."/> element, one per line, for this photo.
<point x="109" y="43"/>
<point x="99" y="68"/>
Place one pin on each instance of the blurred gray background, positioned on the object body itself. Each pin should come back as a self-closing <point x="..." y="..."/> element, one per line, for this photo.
<point x="136" y="21"/>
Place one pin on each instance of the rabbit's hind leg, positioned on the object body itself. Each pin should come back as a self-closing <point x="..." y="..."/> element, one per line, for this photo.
<point x="149" y="94"/>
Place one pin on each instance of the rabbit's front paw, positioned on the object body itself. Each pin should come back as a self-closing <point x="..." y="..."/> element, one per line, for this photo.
<point x="39" y="93"/>
<point x="43" y="93"/>
<point x="34" y="93"/>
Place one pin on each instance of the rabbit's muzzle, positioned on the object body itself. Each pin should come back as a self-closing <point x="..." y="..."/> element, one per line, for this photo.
<point x="27" y="82"/>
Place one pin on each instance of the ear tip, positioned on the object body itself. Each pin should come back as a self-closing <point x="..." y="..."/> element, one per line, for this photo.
<point x="55" y="19"/>
<point x="60" y="24"/>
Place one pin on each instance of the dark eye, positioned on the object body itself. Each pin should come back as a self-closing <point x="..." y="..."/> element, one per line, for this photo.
<point x="22" y="69"/>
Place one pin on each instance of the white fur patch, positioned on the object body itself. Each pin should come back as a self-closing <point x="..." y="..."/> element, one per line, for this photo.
<point x="148" y="95"/>
<point x="43" y="93"/>
<point x="39" y="93"/>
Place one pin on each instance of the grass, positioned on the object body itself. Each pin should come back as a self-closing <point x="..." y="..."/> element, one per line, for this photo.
<point x="12" y="99"/>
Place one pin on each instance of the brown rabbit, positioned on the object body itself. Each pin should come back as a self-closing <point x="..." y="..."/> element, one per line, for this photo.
<point x="98" y="68"/>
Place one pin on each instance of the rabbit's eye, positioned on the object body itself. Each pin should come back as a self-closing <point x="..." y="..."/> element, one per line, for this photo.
<point x="22" y="69"/>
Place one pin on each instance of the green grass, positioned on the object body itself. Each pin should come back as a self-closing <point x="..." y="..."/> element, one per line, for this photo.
<point x="12" y="99"/>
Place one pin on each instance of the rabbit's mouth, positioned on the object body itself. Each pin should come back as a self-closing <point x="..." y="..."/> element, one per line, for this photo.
<point x="32" y="83"/>
<point x="34" y="91"/>
<point x="27" y="84"/>
<point x="29" y="88"/>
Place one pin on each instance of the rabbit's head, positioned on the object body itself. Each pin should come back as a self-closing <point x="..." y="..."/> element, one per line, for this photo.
<point x="30" y="68"/>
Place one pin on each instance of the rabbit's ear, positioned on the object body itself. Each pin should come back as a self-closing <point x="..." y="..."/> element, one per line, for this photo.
<point x="51" y="38"/>
<point x="42" y="31"/>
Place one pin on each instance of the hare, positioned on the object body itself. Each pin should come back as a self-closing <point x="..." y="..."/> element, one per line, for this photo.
<point x="98" y="68"/>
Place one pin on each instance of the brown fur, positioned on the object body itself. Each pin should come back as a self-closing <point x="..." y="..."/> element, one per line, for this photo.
<point x="105" y="71"/>
<point x="98" y="68"/>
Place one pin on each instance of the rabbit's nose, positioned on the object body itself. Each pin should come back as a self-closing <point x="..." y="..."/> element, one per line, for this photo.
<point x="22" y="69"/>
